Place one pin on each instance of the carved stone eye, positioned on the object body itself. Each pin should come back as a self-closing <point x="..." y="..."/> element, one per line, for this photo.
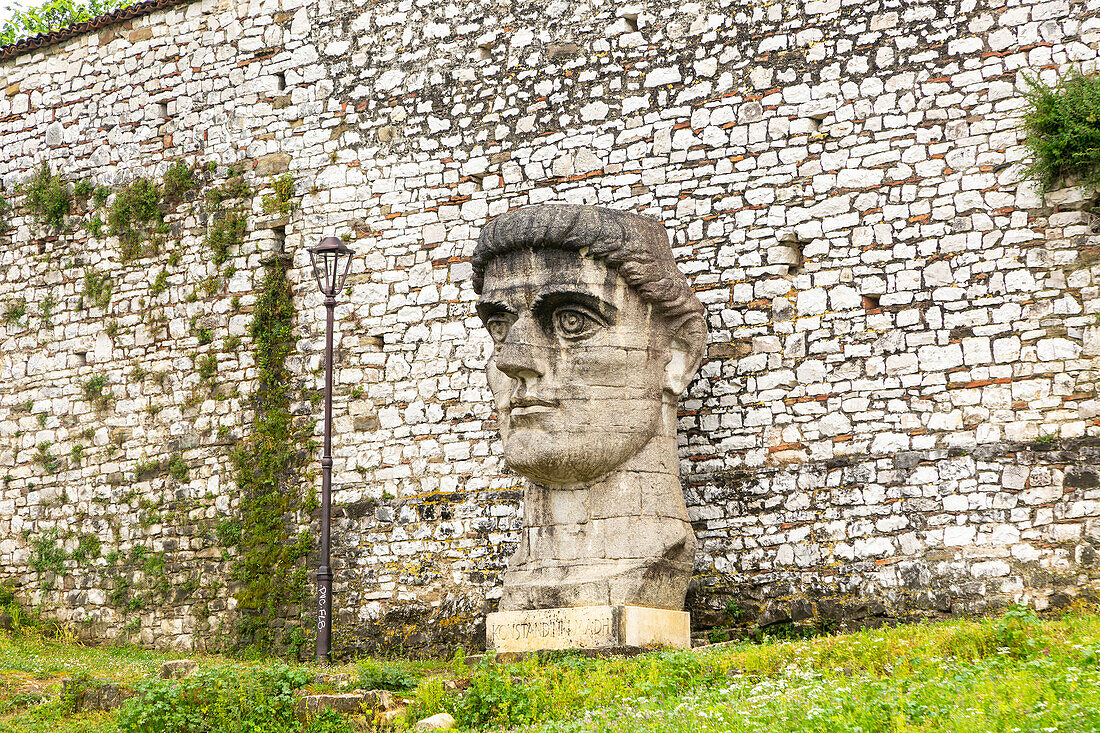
<point x="498" y="327"/>
<point x="574" y="323"/>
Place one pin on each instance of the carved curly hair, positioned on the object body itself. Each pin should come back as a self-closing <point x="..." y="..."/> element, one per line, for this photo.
<point x="635" y="246"/>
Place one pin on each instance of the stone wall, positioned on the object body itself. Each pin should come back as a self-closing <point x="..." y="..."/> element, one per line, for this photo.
<point x="898" y="413"/>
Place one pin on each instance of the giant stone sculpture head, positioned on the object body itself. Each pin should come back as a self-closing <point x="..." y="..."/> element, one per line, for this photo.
<point x="596" y="333"/>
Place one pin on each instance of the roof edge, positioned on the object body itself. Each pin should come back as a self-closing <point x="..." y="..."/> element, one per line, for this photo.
<point x="50" y="38"/>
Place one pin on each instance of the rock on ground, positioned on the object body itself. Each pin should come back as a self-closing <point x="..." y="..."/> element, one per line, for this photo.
<point x="439" y="721"/>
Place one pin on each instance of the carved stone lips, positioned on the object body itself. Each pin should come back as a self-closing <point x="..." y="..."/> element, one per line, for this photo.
<point x="520" y="406"/>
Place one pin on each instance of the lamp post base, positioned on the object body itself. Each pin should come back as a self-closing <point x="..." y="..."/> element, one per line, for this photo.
<point x="324" y="615"/>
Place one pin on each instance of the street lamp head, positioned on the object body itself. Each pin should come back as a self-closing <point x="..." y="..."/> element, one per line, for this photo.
<point x="331" y="261"/>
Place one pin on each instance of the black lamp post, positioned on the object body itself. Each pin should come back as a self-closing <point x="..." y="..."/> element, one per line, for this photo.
<point x="331" y="261"/>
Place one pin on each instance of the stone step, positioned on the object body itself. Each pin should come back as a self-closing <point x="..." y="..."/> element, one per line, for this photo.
<point x="372" y="703"/>
<point x="91" y="694"/>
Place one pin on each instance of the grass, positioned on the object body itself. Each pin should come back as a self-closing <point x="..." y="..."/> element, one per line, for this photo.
<point x="33" y="666"/>
<point x="1009" y="673"/>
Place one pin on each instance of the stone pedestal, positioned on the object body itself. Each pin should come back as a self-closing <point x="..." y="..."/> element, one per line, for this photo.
<point x="587" y="627"/>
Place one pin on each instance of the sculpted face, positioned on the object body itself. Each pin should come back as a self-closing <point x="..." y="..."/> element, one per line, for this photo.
<point x="578" y="371"/>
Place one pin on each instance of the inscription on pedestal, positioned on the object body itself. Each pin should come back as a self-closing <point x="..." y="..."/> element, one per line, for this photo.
<point x="586" y="627"/>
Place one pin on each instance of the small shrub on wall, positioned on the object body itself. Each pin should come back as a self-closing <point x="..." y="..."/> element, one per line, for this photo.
<point x="47" y="197"/>
<point x="136" y="217"/>
<point x="1063" y="130"/>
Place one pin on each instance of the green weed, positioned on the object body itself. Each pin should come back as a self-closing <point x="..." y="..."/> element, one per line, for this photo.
<point x="97" y="288"/>
<point x="14" y="311"/>
<point x="282" y="201"/>
<point x="47" y="197"/>
<point x="47" y="556"/>
<point x="135" y="215"/>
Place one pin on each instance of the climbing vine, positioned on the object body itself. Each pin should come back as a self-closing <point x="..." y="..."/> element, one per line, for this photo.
<point x="263" y="539"/>
<point x="229" y="217"/>
<point x="267" y="466"/>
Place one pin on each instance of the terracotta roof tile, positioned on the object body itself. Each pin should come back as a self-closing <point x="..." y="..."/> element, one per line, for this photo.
<point x="63" y="34"/>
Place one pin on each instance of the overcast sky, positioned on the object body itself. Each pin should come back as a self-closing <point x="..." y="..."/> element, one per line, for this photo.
<point x="7" y="7"/>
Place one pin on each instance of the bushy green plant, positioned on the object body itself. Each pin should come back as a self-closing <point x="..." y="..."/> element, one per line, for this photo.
<point x="160" y="284"/>
<point x="95" y="390"/>
<point x="144" y="470"/>
<point x="54" y="15"/>
<point x="21" y="619"/>
<point x="374" y="675"/>
<point x="235" y="187"/>
<point x="1062" y="130"/>
<point x="429" y="698"/>
<point x="227" y="231"/>
<point x="498" y="699"/>
<point x="1019" y="632"/>
<point x="45" y="308"/>
<point x="228" y="532"/>
<point x="47" y="197"/>
<point x="49" y="462"/>
<point x="7" y="597"/>
<point x="178" y="469"/>
<point x="219" y="700"/>
<point x="5" y="213"/>
<point x="208" y="367"/>
<point x="76" y="688"/>
<point x="88" y="548"/>
<point x="266" y="467"/>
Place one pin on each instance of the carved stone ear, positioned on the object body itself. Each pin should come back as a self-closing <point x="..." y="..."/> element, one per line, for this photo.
<point x="686" y="350"/>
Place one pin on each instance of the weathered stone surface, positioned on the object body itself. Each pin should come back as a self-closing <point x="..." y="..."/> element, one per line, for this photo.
<point x="596" y="334"/>
<point x="337" y="680"/>
<point x="272" y="163"/>
<point x="313" y="705"/>
<point x="178" y="669"/>
<point x="86" y="694"/>
<point x="587" y="627"/>
<point x="391" y="718"/>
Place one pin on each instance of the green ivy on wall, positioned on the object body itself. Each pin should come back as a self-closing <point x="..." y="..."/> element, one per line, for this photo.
<point x="267" y="465"/>
<point x="269" y="563"/>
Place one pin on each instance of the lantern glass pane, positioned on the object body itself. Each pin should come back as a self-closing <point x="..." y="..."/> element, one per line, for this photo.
<point x="347" y="269"/>
<point x="318" y="275"/>
<point x="330" y="271"/>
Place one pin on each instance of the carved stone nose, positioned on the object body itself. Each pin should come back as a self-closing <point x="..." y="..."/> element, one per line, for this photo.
<point x="522" y="354"/>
